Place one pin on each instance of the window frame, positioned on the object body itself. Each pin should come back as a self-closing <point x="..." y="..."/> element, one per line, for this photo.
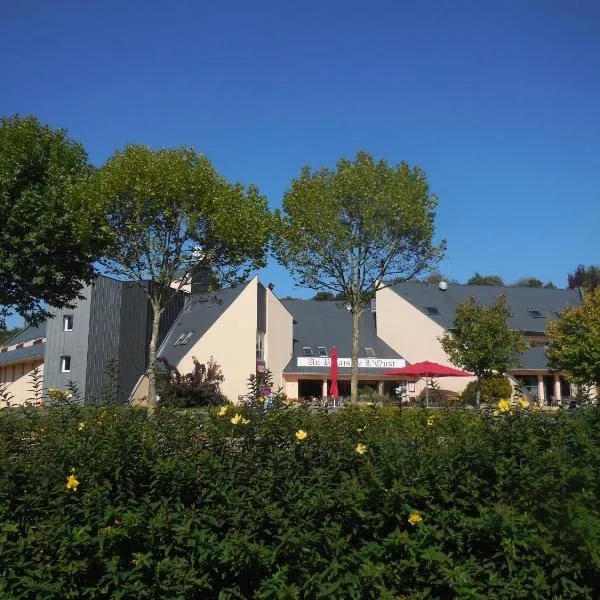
<point x="65" y="363"/>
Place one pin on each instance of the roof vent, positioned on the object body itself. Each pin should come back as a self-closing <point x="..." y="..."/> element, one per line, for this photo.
<point x="443" y="285"/>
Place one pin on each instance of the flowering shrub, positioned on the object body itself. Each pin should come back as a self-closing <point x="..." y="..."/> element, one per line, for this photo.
<point x="364" y="503"/>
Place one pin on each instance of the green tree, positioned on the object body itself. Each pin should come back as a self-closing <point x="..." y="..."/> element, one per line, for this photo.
<point x="170" y="213"/>
<point x="350" y="230"/>
<point x="478" y="279"/>
<point x="575" y="341"/>
<point x="6" y="334"/>
<point x="530" y="282"/>
<point x="481" y="340"/>
<point x="49" y="239"/>
<point x="323" y="296"/>
<point x="584" y="277"/>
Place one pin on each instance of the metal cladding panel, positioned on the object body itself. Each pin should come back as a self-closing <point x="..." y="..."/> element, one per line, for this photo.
<point x="261" y="308"/>
<point x="103" y="346"/>
<point x="73" y="343"/>
<point x="133" y="336"/>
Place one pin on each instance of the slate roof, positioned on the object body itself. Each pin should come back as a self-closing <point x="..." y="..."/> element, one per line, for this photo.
<point x="329" y="324"/>
<point x="533" y="359"/>
<point x="29" y="333"/>
<point x="521" y="300"/>
<point x="198" y="315"/>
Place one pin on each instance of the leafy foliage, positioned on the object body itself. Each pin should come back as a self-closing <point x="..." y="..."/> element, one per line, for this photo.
<point x="171" y="214"/>
<point x="481" y="340"/>
<point x="6" y="334"/>
<point x="492" y="389"/>
<point x="49" y="238"/>
<point x="372" y="503"/>
<point x="575" y="340"/>
<point x="584" y="277"/>
<point x="347" y="231"/>
<point x="478" y="279"/>
<point x="201" y="387"/>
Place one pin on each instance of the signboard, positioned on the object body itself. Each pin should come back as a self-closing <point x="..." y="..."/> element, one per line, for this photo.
<point x="363" y="363"/>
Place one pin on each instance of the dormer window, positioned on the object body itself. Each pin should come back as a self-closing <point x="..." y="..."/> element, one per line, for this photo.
<point x="536" y="314"/>
<point x="370" y="352"/>
<point x="322" y="351"/>
<point x="307" y="351"/>
<point x="432" y="310"/>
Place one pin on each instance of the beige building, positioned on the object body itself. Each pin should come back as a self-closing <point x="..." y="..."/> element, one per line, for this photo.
<point x="247" y="329"/>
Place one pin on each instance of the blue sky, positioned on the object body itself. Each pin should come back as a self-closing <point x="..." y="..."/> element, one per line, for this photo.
<point x="497" y="101"/>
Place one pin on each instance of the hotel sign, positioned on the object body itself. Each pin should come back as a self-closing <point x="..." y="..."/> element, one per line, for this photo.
<point x="363" y="363"/>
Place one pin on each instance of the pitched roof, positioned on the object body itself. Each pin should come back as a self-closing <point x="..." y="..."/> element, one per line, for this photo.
<point x="31" y="332"/>
<point x="197" y="316"/>
<point x="547" y="302"/>
<point x="22" y="353"/>
<point x="329" y="324"/>
<point x="533" y="359"/>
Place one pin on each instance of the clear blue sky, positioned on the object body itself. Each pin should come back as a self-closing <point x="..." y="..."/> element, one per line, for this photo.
<point x="498" y="101"/>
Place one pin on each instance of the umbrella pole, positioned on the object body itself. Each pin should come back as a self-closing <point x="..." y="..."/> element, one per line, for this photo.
<point x="426" y="393"/>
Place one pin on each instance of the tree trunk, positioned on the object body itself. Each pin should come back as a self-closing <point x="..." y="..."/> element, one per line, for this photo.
<point x="354" y="375"/>
<point x="478" y="393"/>
<point x="156" y="313"/>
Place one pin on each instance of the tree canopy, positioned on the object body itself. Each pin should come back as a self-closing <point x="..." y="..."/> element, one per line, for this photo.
<point x="49" y="238"/>
<point x="575" y="341"/>
<point x="481" y="340"/>
<point x="170" y="213"/>
<point x="478" y="279"/>
<point x="349" y="230"/>
<point x="584" y="277"/>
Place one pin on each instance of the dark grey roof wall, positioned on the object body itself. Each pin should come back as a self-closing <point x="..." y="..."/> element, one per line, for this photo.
<point x="330" y="324"/>
<point x="197" y="316"/>
<point x="533" y="359"/>
<point x="521" y="300"/>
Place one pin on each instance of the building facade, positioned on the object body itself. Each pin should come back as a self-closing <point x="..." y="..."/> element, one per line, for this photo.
<point x="248" y="329"/>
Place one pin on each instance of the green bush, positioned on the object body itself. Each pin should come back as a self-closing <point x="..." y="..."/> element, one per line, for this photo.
<point x="201" y="387"/>
<point x="119" y="503"/>
<point x="493" y="389"/>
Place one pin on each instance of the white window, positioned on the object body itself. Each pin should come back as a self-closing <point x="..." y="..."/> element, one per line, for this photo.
<point x="307" y="351"/>
<point x="65" y="364"/>
<point x="260" y="345"/>
<point x="187" y="338"/>
<point x="322" y="351"/>
<point x="370" y="352"/>
<point x="68" y="323"/>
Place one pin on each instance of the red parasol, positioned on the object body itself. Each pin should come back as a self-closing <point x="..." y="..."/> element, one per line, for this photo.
<point x="427" y="370"/>
<point x="333" y="388"/>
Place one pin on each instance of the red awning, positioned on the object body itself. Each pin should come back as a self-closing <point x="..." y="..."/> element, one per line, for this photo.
<point x="429" y="369"/>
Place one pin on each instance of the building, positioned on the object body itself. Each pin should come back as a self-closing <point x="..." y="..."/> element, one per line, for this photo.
<point x="111" y="323"/>
<point x="247" y="329"/>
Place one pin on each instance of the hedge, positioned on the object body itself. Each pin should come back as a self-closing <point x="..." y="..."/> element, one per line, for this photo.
<point x="363" y="503"/>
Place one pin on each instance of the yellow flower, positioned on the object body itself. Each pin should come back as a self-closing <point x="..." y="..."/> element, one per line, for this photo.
<point x="361" y="429"/>
<point x="361" y="448"/>
<point x="245" y="421"/>
<point x="523" y="403"/>
<point x="504" y="405"/>
<point x="222" y="411"/>
<point x="81" y="426"/>
<point x="430" y="420"/>
<point x="72" y="482"/>
<point x="301" y="435"/>
<point x="415" y="518"/>
<point x="236" y="420"/>
<point x="496" y="413"/>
